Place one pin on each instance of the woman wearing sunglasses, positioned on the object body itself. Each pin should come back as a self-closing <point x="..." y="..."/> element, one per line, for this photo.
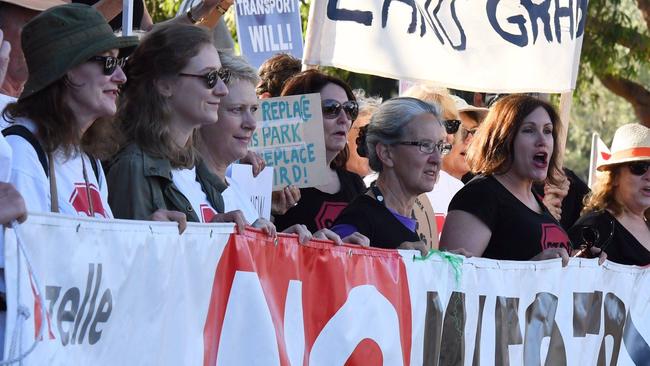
<point x="616" y="213"/>
<point x="319" y="206"/>
<point x="497" y="215"/>
<point x="175" y="86"/>
<point x="57" y="132"/>
<point x="404" y="142"/>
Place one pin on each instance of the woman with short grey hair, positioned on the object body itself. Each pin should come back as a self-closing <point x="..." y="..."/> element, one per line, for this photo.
<point x="404" y="142"/>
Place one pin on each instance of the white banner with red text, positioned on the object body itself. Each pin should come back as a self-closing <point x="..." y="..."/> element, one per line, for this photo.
<point x="480" y="45"/>
<point x="114" y="292"/>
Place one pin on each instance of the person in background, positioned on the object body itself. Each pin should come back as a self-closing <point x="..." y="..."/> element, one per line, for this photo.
<point x="14" y="14"/>
<point x="226" y="141"/>
<point x="160" y="112"/>
<point x="455" y="164"/>
<point x="616" y="213"/>
<point x="357" y="164"/>
<point x="274" y="72"/>
<point x="319" y="206"/>
<point x="497" y="215"/>
<point x="404" y="142"/>
<point x="57" y="132"/>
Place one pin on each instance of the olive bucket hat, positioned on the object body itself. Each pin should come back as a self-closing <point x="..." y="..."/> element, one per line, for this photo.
<point x="63" y="37"/>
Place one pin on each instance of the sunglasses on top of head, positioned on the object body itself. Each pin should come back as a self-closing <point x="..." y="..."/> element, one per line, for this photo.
<point x="332" y="108"/>
<point x="451" y="125"/>
<point x="639" y="168"/>
<point x="110" y="63"/>
<point x="211" y="78"/>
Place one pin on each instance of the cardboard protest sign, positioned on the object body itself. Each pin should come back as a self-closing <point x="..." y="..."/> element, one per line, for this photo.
<point x="481" y="45"/>
<point x="267" y="28"/>
<point x="426" y="221"/>
<point x="289" y="137"/>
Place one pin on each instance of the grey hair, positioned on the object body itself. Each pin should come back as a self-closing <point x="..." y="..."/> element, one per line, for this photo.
<point x="367" y="104"/>
<point x="388" y="123"/>
<point x="239" y="68"/>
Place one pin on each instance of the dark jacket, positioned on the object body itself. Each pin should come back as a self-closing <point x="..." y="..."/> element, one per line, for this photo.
<point x="139" y="184"/>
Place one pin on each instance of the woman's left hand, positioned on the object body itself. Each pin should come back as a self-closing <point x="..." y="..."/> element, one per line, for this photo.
<point x="593" y="253"/>
<point x="266" y="226"/>
<point x="254" y="160"/>
<point x="417" y="245"/>
<point x="304" y="235"/>
<point x="282" y="201"/>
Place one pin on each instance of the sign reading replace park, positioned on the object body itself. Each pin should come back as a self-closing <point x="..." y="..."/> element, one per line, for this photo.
<point x="481" y="45"/>
<point x="265" y="28"/>
<point x="289" y="137"/>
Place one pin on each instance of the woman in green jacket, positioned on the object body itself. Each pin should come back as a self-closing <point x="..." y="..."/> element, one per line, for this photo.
<point x="176" y="85"/>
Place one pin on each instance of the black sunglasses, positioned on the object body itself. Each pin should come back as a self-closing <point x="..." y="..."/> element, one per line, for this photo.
<point x="110" y="63"/>
<point x="212" y="77"/>
<point x="639" y="168"/>
<point x="451" y="125"/>
<point x="332" y="108"/>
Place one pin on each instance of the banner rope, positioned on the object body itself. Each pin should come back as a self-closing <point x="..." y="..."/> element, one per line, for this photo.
<point x="22" y="312"/>
<point x="454" y="260"/>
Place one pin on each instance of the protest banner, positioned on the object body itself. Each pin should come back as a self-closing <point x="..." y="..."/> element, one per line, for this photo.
<point x="289" y="137"/>
<point x="483" y="45"/>
<point x="121" y="292"/>
<point x="269" y="27"/>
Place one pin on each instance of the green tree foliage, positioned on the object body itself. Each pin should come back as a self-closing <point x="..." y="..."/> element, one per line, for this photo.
<point x="162" y="9"/>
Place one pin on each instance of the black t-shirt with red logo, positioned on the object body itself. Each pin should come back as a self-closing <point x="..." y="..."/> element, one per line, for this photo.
<point x="317" y="209"/>
<point x="518" y="233"/>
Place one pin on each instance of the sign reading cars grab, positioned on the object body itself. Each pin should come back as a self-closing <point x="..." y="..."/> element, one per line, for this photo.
<point x="278" y="305"/>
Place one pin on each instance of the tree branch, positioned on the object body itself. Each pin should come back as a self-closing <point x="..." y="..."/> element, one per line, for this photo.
<point x="635" y="93"/>
<point x="644" y="7"/>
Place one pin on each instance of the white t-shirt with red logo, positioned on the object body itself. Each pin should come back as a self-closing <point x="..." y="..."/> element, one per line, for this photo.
<point x="75" y="194"/>
<point x="185" y="181"/>
<point x="5" y="149"/>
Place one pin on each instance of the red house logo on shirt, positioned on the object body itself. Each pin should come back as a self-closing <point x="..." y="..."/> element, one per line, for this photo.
<point x="207" y="213"/>
<point x="328" y="212"/>
<point x="79" y="200"/>
<point x="554" y="237"/>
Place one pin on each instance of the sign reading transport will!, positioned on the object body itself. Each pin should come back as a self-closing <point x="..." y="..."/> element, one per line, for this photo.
<point x="122" y="292"/>
<point x="289" y="137"/>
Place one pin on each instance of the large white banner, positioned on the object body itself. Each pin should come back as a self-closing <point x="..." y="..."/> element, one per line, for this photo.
<point x="481" y="45"/>
<point x="137" y="293"/>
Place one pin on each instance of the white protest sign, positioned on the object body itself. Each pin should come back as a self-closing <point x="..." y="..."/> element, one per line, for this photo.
<point x="258" y="189"/>
<point x="264" y="29"/>
<point x="482" y="45"/>
<point x="289" y="137"/>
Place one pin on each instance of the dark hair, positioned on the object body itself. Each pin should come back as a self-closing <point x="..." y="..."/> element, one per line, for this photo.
<point x="57" y="126"/>
<point x="275" y="71"/>
<point x="143" y="112"/>
<point x="313" y="81"/>
<point x="491" y="150"/>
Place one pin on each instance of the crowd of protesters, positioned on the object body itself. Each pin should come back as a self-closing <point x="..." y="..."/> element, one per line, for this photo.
<point x="152" y="137"/>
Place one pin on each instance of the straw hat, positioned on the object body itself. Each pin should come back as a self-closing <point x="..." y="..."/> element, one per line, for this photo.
<point x="631" y="143"/>
<point x="38" y="5"/>
<point x="463" y="106"/>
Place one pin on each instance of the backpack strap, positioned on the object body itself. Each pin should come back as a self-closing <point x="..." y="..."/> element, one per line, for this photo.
<point x="24" y="132"/>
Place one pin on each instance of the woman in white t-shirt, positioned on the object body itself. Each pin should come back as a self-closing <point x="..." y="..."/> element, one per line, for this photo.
<point x="227" y="141"/>
<point x="55" y="129"/>
<point x="175" y="86"/>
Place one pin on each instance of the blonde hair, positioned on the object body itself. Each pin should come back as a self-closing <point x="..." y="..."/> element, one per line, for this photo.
<point x="435" y="95"/>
